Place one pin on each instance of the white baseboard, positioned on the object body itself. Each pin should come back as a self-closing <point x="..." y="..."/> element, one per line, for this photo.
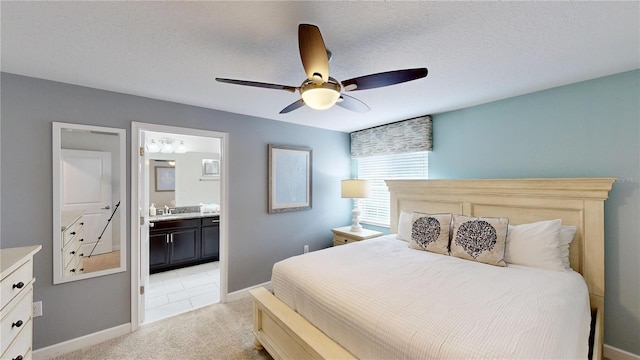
<point x="241" y="294"/>
<point x="66" y="347"/>
<point x="613" y="353"/>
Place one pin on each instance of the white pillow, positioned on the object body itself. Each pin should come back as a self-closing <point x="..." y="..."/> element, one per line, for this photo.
<point x="566" y="237"/>
<point x="405" y="221"/>
<point x="535" y="244"/>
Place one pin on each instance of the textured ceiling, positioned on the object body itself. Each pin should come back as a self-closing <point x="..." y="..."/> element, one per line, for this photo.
<point x="476" y="52"/>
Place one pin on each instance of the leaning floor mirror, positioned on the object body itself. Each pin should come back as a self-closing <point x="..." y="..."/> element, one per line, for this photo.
<point x="89" y="206"/>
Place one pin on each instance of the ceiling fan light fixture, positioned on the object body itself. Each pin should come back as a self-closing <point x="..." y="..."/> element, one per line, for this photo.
<point x="320" y="96"/>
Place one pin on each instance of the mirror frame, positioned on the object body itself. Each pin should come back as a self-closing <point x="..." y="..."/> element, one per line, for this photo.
<point x="57" y="128"/>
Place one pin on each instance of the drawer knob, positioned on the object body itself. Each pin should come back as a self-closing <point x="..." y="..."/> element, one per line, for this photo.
<point x="19" y="285"/>
<point x="19" y="357"/>
<point x="73" y="233"/>
<point x="73" y="252"/>
<point x="73" y="270"/>
<point x="17" y="324"/>
<point x="81" y="239"/>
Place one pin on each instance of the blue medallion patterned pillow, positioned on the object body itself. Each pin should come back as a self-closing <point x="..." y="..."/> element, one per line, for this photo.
<point x="479" y="239"/>
<point x="430" y="232"/>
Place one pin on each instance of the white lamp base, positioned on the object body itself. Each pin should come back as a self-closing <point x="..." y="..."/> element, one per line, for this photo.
<point x="356" y="227"/>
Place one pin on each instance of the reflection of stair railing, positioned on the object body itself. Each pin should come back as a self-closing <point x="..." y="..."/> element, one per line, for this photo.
<point x="105" y="227"/>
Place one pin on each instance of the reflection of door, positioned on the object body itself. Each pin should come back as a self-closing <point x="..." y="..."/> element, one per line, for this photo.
<point x="86" y="185"/>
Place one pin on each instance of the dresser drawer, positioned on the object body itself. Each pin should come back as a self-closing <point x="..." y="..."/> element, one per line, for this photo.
<point x="72" y="231"/>
<point x="21" y="345"/>
<point x="15" y="322"/>
<point x="71" y="251"/>
<point x="17" y="281"/>
<point x="341" y="240"/>
<point x="74" y="267"/>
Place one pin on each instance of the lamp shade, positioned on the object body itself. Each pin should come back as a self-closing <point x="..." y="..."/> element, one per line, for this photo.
<point x="355" y="189"/>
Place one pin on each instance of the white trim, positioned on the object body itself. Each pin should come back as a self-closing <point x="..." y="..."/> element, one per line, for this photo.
<point x="81" y="342"/>
<point x="243" y="293"/>
<point x="136" y="128"/>
<point x="613" y="353"/>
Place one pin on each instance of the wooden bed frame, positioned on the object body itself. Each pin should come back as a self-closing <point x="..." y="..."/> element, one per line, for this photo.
<point x="577" y="201"/>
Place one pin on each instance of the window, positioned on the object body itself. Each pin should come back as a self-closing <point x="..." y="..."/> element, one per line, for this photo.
<point x="375" y="209"/>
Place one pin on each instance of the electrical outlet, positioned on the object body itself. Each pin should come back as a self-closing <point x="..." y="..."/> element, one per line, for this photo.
<point x="306" y="249"/>
<point x="37" y="309"/>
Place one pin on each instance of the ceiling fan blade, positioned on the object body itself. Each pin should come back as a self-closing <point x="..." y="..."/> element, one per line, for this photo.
<point x="258" y="84"/>
<point x="313" y="53"/>
<point x="383" y="79"/>
<point x="290" y="108"/>
<point x="353" y="104"/>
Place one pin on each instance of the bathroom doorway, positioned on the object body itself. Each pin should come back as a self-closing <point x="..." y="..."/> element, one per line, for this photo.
<point x="180" y="194"/>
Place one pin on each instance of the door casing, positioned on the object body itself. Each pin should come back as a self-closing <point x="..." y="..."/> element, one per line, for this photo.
<point x="139" y="211"/>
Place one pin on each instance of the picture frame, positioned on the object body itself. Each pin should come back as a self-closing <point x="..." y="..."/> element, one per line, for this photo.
<point x="210" y="167"/>
<point x="290" y="178"/>
<point x="165" y="178"/>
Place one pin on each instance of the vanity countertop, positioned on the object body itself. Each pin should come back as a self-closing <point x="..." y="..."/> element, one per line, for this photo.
<point x="191" y="215"/>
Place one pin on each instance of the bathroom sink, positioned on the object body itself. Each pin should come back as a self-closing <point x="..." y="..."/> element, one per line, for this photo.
<point x="191" y="215"/>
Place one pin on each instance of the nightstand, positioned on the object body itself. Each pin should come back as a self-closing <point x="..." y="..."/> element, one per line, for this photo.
<point x="344" y="235"/>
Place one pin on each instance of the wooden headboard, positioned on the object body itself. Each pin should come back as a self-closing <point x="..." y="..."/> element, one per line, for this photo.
<point x="577" y="201"/>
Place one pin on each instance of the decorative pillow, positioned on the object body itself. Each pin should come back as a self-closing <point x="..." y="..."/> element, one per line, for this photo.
<point x="535" y="244"/>
<point x="430" y="232"/>
<point x="566" y="237"/>
<point x="404" y="226"/>
<point x="479" y="239"/>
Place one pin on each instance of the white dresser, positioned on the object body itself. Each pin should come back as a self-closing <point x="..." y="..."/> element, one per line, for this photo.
<point x="16" y="298"/>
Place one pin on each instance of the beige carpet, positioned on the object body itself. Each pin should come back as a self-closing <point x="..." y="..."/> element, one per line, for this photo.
<point x="219" y="331"/>
<point x="101" y="262"/>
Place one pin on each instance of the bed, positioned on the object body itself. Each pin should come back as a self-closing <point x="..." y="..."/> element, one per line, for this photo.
<point x="296" y="324"/>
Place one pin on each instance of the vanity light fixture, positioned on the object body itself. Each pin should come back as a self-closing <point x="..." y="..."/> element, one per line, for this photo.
<point x="166" y="145"/>
<point x="181" y="149"/>
<point x="152" y="146"/>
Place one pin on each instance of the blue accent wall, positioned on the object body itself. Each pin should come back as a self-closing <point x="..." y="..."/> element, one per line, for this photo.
<point x="587" y="129"/>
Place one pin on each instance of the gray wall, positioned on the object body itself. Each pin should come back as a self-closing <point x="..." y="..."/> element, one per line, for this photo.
<point x="587" y="129"/>
<point x="256" y="239"/>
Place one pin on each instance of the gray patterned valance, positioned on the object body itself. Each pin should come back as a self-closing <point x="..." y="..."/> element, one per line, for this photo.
<point x="406" y="136"/>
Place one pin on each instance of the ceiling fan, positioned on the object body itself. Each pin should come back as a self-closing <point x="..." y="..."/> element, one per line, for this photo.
<point x="320" y="91"/>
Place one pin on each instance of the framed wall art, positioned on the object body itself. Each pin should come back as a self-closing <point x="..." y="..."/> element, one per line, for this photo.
<point x="210" y="167"/>
<point x="289" y="178"/>
<point x="165" y="178"/>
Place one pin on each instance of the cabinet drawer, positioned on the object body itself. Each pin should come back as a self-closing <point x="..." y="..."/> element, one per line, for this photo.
<point x="15" y="322"/>
<point x="172" y="224"/>
<point x="210" y="221"/>
<point x="21" y="346"/>
<point x="341" y="240"/>
<point x="16" y="282"/>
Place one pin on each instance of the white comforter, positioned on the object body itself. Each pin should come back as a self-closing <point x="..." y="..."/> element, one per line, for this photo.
<point x="381" y="300"/>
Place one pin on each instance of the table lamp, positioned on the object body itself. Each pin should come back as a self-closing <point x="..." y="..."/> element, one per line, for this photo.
<point x="355" y="189"/>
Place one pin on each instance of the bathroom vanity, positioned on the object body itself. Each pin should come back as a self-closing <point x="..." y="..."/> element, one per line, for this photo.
<point x="181" y="240"/>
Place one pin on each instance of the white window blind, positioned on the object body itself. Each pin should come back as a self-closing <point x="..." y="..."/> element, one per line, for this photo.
<point x="376" y="169"/>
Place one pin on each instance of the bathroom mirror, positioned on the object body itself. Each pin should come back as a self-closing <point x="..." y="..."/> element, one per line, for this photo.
<point x="89" y="206"/>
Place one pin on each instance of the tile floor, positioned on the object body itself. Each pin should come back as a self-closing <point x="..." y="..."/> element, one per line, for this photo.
<point x="181" y="290"/>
